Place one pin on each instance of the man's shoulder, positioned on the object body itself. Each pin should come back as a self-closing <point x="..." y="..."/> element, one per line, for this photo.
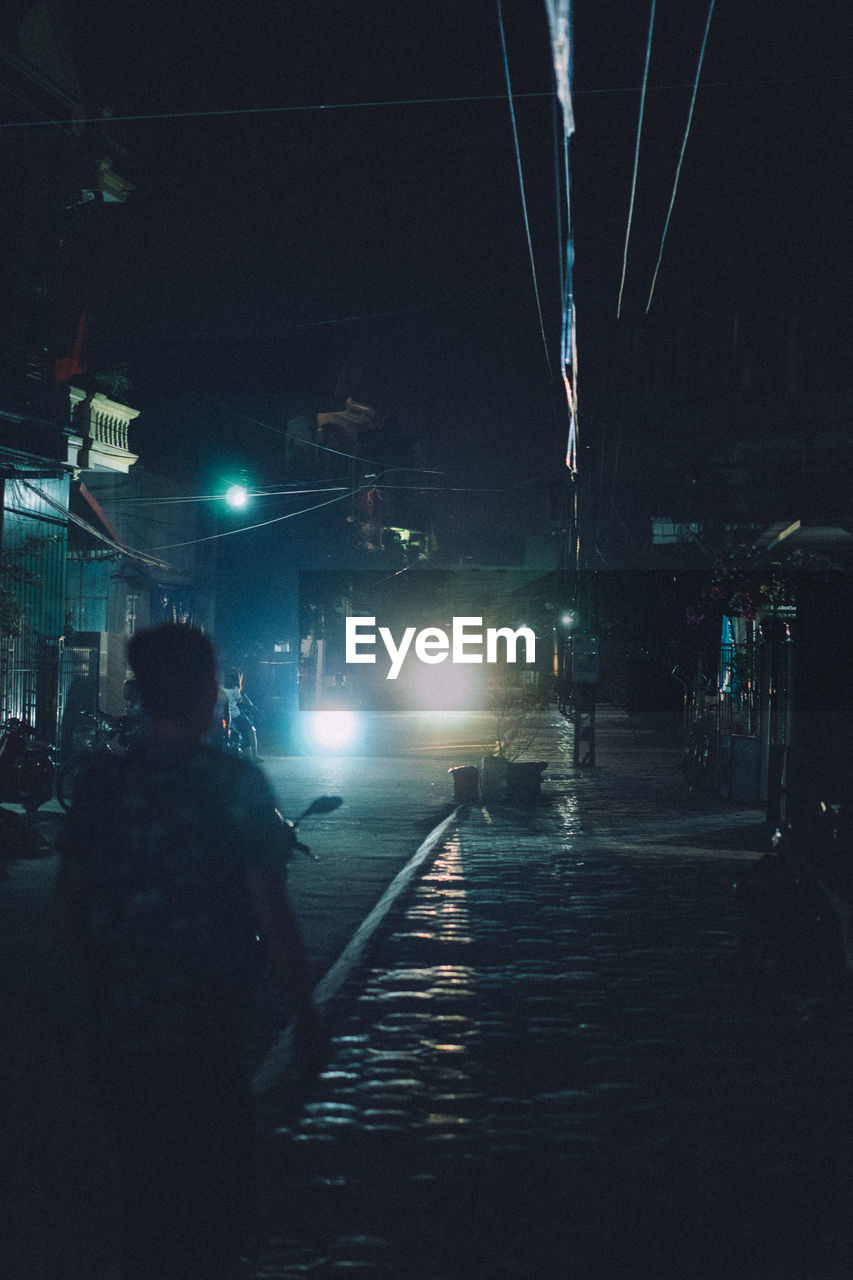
<point x="226" y="764"/>
<point x="232" y="775"/>
<point x="240" y="794"/>
<point x="147" y="763"/>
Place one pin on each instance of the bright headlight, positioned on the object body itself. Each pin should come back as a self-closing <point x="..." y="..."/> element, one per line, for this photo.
<point x="332" y="730"/>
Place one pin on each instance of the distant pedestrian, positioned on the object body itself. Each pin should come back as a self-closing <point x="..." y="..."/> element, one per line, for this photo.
<point x="339" y="697"/>
<point x="241" y="709"/>
<point x="172" y="862"/>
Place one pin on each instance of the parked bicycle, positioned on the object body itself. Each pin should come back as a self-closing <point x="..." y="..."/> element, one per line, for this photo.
<point x="700" y="763"/>
<point x="102" y="734"/>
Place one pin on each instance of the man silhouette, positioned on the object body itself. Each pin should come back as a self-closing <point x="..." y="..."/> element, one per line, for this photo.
<point x="172" y="864"/>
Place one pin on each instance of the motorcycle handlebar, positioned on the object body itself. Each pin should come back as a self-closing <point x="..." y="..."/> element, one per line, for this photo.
<point x="322" y="804"/>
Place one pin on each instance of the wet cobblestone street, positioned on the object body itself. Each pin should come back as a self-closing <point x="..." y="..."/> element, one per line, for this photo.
<point x="557" y="1063"/>
<point x="552" y="1058"/>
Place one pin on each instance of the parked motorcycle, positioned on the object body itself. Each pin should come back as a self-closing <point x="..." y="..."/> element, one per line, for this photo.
<point x="26" y="767"/>
<point x="102" y="735"/>
<point x="798" y="901"/>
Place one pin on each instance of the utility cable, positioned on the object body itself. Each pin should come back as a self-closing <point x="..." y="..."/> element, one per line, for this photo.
<point x="375" y="483"/>
<point x="449" y="488"/>
<point x="119" y="547"/>
<point x="25" y="69"/>
<point x="246" y="528"/>
<point x="45" y="118"/>
<point x="405" y="102"/>
<point x="489" y="300"/>
<point x="521" y="185"/>
<point x="636" y="158"/>
<point x="351" y="493"/>
<point x="308" y="444"/>
<point x="280" y="431"/>
<point x="683" y="148"/>
<point x="218" y="497"/>
<point x="260" y="111"/>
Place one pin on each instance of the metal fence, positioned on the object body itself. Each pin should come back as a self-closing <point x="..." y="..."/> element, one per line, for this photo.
<point x="78" y="691"/>
<point x="28" y="678"/>
<point x="739" y="686"/>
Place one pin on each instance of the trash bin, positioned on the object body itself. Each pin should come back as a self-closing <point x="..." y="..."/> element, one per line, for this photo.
<point x="466" y="783"/>
<point x="494" y="778"/>
<point x="523" y="780"/>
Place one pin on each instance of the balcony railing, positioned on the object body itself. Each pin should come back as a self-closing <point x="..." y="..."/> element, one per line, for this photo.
<point x="102" y="425"/>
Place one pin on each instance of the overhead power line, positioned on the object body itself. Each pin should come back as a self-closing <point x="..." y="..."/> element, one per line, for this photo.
<point x="683" y="148"/>
<point x="144" y="556"/>
<point x="215" y="112"/>
<point x="375" y="483"/>
<point x="521" y="185"/>
<point x="636" y="159"/>
<point x="279" y="431"/>
<point x="223" y="112"/>
<point x="219" y="497"/>
<point x="260" y="524"/>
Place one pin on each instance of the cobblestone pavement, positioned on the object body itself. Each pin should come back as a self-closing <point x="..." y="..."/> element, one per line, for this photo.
<point x="556" y="1062"/>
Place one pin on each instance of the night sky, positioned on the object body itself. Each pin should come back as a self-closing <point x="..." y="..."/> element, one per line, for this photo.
<point x="267" y="252"/>
<point x="270" y="258"/>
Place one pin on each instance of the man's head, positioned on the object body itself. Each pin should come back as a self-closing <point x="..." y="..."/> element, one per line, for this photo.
<point x="175" y="670"/>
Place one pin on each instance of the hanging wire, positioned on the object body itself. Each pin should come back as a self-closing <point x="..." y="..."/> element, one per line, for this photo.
<point x="261" y="524"/>
<point x="391" y="102"/>
<point x="144" y="556"/>
<point x="282" y="431"/>
<point x="261" y="111"/>
<point x="683" y="148"/>
<point x="219" y="497"/>
<point x="636" y="158"/>
<point x="376" y="482"/>
<point x="229" y="533"/>
<point x="521" y="184"/>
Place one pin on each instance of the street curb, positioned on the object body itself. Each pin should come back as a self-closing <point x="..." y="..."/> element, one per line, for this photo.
<point x="278" y="1059"/>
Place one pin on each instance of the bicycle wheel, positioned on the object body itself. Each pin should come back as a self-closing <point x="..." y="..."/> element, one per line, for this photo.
<point x="68" y="776"/>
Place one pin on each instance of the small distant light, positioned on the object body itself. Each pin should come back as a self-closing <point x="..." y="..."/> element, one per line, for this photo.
<point x="567" y="619"/>
<point x="236" y="496"/>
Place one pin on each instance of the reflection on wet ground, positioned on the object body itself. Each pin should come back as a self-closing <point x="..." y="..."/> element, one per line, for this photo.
<point x="557" y="1064"/>
<point x="560" y="1064"/>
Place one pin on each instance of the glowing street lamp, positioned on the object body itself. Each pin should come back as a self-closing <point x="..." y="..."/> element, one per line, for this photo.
<point x="236" y="496"/>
